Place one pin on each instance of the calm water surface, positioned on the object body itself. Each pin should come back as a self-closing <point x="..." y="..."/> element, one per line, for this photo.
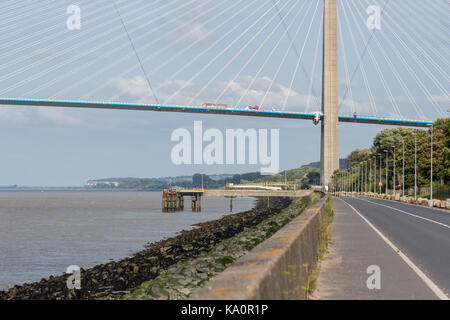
<point x="42" y="233"/>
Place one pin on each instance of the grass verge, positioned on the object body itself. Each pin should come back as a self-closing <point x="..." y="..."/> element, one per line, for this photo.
<point x="324" y="239"/>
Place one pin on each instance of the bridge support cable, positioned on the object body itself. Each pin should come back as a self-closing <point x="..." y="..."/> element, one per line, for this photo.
<point x="415" y="56"/>
<point x="54" y="67"/>
<point x="419" y="47"/>
<point x="135" y="51"/>
<point x="427" y="33"/>
<point x="430" y="29"/>
<point x="54" y="41"/>
<point x="408" y="67"/>
<point x="437" y="9"/>
<point x="262" y="103"/>
<point x="271" y="53"/>
<point x="238" y="54"/>
<point x="294" y="47"/>
<point x="221" y="53"/>
<point x="346" y="69"/>
<point x="377" y="67"/>
<point x="313" y="69"/>
<point x="255" y="52"/>
<point x="12" y="22"/>
<point x="206" y="13"/>
<point x="393" y="69"/>
<point x="8" y="6"/>
<point x="359" y="65"/>
<point x="218" y="41"/>
<point x="126" y="57"/>
<point x="227" y="87"/>
<point x="361" y="57"/>
<point x="299" y="59"/>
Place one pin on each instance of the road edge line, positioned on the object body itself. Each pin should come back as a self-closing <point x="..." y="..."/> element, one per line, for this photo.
<point x="436" y="290"/>
<point x="408" y="213"/>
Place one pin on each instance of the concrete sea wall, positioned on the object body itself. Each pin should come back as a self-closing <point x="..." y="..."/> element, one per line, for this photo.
<point x="278" y="268"/>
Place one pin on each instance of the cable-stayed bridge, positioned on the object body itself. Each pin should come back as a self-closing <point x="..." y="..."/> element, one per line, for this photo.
<point x="172" y="56"/>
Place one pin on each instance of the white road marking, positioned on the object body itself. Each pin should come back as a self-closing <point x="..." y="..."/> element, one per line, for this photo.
<point x="429" y="220"/>
<point x="436" y="290"/>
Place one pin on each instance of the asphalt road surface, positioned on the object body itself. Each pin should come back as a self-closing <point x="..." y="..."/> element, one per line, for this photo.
<point x="421" y="233"/>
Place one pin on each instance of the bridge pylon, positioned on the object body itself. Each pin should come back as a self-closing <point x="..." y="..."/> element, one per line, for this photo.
<point x="329" y="153"/>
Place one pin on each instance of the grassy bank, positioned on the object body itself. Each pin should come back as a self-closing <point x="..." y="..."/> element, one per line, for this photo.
<point x="324" y="239"/>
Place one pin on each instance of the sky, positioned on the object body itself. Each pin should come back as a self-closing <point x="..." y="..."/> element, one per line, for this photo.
<point x="235" y="52"/>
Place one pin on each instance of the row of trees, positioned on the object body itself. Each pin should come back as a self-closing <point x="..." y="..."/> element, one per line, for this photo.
<point x="404" y="142"/>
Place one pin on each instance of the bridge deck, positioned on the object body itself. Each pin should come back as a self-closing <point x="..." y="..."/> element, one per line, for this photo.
<point x="255" y="193"/>
<point x="197" y="109"/>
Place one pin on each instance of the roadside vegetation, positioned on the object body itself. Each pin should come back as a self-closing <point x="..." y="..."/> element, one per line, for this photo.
<point x="325" y="230"/>
<point x="390" y="138"/>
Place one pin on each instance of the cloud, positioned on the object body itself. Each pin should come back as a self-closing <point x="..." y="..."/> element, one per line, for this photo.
<point x="444" y="99"/>
<point x="349" y="106"/>
<point x="24" y="114"/>
<point x="348" y="84"/>
<point x="190" y="28"/>
<point x="14" y="114"/>
<point x="58" y="115"/>
<point x="231" y="92"/>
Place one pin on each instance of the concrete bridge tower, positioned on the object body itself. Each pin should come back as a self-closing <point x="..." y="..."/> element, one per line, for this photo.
<point x="329" y="153"/>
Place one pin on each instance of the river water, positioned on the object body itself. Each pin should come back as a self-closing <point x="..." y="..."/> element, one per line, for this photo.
<point x="42" y="233"/>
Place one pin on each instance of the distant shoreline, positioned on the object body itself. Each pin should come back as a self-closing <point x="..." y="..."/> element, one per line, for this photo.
<point x="43" y="189"/>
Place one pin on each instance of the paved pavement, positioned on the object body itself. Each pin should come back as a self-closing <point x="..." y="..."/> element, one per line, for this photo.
<point x="366" y="237"/>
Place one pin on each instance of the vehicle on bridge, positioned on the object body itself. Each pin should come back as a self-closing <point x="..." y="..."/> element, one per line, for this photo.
<point x="214" y="105"/>
<point x="252" y="108"/>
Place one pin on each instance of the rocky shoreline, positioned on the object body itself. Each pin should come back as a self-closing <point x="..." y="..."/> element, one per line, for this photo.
<point x="182" y="279"/>
<point x="120" y="277"/>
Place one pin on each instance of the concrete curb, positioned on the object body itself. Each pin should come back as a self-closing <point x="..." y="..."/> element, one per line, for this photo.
<point x="277" y="268"/>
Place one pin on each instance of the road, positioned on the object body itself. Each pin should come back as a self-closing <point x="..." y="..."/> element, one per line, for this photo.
<point x="368" y="231"/>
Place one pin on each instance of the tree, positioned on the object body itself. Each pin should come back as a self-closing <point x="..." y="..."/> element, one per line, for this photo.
<point x="390" y="138"/>
<point x="357" y="156"/>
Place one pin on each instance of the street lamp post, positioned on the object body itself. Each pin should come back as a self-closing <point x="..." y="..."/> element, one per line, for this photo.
<point x="354" y="179"/>
<point x="374" y="174"/>
<point x="431" y="174"/>
<point x="379" y="183"/>
<point x="387" y="155"/>
<point x="348" y="181"/>
<point x="366" y="177"/>
<point x="393" y="187"/>
<point x="415" y="166"/>
<point x="403" y="170"/>
<point x="370" y="175"/>
<point x="361" y="177"/>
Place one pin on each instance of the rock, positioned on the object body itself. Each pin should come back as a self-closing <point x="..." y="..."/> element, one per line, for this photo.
<point x="153" y="260"/>
<point x="184" y="291"/>
<point x="187" y="247"/>
<point x="165" y="250"/>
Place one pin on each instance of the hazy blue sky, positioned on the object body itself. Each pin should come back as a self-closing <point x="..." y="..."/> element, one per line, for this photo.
<point x="234" y="52"/>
